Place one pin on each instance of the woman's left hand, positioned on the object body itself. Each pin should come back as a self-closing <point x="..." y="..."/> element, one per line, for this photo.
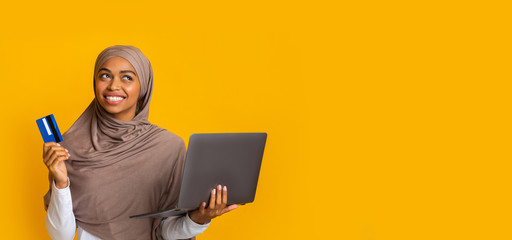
<point x="216" y="207"/>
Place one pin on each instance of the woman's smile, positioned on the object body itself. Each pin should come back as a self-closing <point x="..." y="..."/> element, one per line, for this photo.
<point x="114" y="99"/>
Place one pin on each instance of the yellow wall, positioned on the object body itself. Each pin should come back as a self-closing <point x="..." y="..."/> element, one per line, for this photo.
<point x="385" y="119"/>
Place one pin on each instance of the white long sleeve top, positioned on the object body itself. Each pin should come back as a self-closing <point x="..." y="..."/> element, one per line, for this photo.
<point x="61" y="224"/>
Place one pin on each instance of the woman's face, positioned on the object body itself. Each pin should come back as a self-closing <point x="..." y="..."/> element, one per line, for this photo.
<point x="117" y="88"/>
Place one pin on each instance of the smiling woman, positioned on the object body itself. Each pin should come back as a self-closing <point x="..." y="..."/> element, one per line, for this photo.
<point x="117" y="88"/>
<point x="113" y="163"/>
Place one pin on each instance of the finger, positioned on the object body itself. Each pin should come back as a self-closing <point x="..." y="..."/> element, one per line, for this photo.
<point x="225" y="195"/>
<point x="57" y="151"/>
<point x="46" y="147"/>
<point x="58" y="161"/>
<point x="54" y="155"/>
<point x="219" y="195"/>
<point x="54" y="148"/>
<point x="211" y="205"/>
<point x="229" y="208"/>
<point x="202" y="208"/>
<point x="50" y="157"/>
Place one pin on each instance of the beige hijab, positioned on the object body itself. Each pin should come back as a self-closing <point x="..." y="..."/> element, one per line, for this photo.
<point x="122" y="168"/>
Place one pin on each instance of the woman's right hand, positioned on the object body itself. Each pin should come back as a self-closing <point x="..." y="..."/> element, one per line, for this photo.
<point x="53" y="156"/>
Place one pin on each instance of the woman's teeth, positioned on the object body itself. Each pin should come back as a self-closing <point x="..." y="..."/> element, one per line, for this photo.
<point x="114" y="98"/>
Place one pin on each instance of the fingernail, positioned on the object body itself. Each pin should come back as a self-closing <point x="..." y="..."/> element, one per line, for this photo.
<point x="219" y="187"/>
<point x="213" y="191"/>
<point x="58" y="144"/>
<point x="66" y="150"/>
<point x="225" y="188"/>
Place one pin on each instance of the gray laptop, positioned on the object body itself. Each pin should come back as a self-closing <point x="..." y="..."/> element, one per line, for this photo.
<point x="231" y="159"/>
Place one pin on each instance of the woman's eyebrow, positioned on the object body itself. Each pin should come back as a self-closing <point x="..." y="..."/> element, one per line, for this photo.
<point x="128" y="71"/>
<point x="105" y="69"/>
<point x="123" y="71"/>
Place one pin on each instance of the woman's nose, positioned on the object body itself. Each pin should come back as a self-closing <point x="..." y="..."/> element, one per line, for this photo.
<point x="115" y="84"/>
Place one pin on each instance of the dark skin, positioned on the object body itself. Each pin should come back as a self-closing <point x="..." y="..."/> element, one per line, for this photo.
<point x="117" y="89"/>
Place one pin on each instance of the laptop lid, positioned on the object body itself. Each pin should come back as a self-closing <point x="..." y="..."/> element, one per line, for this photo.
<point x="230" y="159"/>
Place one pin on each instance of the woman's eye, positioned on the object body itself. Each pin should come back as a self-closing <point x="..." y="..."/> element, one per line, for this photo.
<point x="104" y="75"/>
<point x="127" y="78"/>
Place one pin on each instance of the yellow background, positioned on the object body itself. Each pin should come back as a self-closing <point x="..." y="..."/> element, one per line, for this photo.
<point x="385" y="119"/>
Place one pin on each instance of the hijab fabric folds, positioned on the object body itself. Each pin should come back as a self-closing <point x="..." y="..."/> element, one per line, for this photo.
<point x="122" y="168"/>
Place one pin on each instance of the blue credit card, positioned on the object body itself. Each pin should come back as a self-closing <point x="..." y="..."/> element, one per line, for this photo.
<point x="49" y="130"/>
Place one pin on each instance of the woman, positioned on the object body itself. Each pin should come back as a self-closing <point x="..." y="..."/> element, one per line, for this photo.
<point x="113" y="163"/>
